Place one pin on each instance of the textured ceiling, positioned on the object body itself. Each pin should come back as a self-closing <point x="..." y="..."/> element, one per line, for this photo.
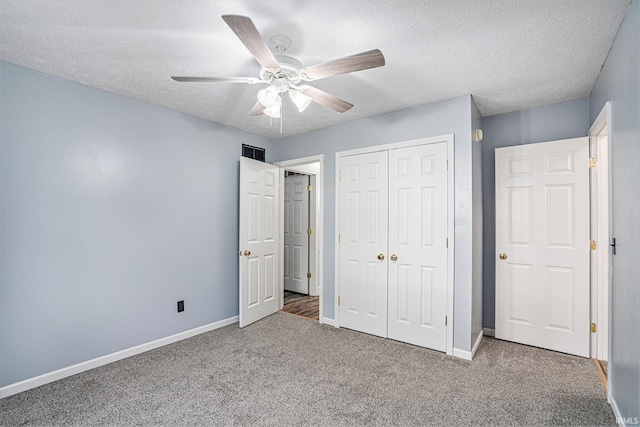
<point x="509" y="54"/>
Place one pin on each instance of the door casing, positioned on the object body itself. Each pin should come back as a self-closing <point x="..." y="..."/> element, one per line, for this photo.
<point x="297" y="193"/>
<point x="602" y="216"/>
<point x="313" y="166"/>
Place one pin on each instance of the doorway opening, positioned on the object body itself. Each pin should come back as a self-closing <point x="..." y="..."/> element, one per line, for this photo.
<point x="599" y="141"/>
<point x="301" y="237"/>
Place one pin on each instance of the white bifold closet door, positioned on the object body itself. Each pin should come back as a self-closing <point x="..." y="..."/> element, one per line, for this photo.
<point x="393" y="249"/>
<point x="363" y="228"/>
<point x="418" y="245"/>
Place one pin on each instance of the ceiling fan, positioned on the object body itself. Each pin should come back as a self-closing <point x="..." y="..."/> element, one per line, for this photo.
<point x="283" y="74"/>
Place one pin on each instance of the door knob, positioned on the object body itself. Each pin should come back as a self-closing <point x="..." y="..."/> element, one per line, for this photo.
<point x="394" y="257"/>
<point x="503" y="256"/>
<point x="247" y="253"/>
<point x="380" y="257"/>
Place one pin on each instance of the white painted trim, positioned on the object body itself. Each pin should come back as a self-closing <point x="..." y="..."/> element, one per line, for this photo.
<point x="477" y="343"/>
<point x="603" y="119"/>
<point x="462" y="354"/>
<point x="336" y="221"/>
<point x="451" y="185"/>
<point x="450" y="140"/>
<point x="468" y="355"/>
<point x="602" y="122"/>
<point x="330" y="322"/>
<point x="396" y="145"/>
<point x="620" y="420"/>
<point x="59" y="374"/>
<point x="488" y="332"/>
<point x="313" y="224"/>
<point x="319" y="240"/>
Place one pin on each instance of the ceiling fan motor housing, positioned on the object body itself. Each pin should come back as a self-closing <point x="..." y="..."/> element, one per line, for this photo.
<point x="288" y="68"/>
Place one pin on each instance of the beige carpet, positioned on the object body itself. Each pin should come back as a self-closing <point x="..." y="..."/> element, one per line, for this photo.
<point x="286" y="370"/>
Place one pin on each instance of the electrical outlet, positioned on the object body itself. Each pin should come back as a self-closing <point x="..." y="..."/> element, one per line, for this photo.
<point x="180" y="306"/>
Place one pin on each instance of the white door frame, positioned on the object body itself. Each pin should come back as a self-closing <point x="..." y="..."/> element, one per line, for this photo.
<point x="303" y="283"/>
<point x="601" y="258"/>
<point x="298" y="165"/>
<point x="449" y="139"/>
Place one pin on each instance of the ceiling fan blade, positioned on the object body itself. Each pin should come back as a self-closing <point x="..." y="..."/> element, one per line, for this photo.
<point x="323" y="98"/>
<point x="250" y="37"/>
<point x="257" y="110"/>
<point x="250" y="80"/>
<point x="349" y="64"/>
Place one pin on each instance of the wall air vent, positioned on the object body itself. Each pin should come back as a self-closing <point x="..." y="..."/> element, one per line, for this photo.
<point x="252" y="152"/>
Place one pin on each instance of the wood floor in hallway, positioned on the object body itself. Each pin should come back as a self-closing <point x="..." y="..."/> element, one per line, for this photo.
<point x="301" y="305"/>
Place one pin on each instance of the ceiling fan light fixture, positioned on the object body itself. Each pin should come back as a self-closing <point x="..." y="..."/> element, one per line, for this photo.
<point x="275" y="110"/>
<point x="301" y="100"/>
<point x="268" y="96"/>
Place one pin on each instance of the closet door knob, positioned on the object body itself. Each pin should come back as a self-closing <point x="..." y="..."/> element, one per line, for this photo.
<point x="394" y="257"/>
<point x="247" y="253"/>
<point x="380" y="257"/>
<point x="503" y="256"/>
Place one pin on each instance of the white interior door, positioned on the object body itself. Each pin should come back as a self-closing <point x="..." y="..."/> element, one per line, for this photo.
<point x="296" y="238"/>
<point x="363" y="229"/>
<point x="542" y="245"/>
<point x="418" y="245"/>
<point x="259" y="195"/>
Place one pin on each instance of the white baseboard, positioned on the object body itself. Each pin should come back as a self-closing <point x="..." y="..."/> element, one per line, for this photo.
<point x="477" y="343"/>
<point x="330" y="322"/>
<point x="616" y="411"/>
<point x="620" y="420"/>
<point x="462" y="354"/>
<point x="43" y="379"/>
<point x="468" y="355"/>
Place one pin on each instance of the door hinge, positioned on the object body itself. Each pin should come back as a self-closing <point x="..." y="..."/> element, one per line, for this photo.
<point x="447" y="242"/>
<point x="340" y="176"/>
<point x="592" y="245"/>
<point x="308" y="188"/>
<point x="339" y="238"/>
<point x="309" y="231"/>
<point x="445" y="320"/>
<point x="592" y="162"/>
<point x="309" y="275"/>
<point x="447" y="164"/>
<point x="592" y="327"/>
<point x="338" y="300"/>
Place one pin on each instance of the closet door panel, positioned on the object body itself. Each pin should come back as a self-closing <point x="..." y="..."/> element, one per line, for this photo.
<point x="417" y="284"/>
<point x="363" y="225"/>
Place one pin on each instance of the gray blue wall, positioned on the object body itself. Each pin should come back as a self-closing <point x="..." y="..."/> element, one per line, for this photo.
<point x="619" y="82"/>
<point x="554" y="122"/>
<point x="111" y="211"/>
<point x="452" y="116"/>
